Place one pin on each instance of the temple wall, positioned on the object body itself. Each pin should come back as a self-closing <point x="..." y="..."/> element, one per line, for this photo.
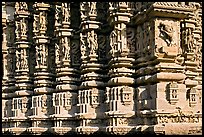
<point x="91" y="67"/>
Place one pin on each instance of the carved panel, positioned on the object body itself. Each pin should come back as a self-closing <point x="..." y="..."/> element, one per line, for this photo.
<point x="167" y="36"/>
<point x="172" y="93"/>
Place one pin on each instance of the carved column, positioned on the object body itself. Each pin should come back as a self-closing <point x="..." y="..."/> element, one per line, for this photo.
<point x="64" y="100"/>
<point x="5" y="53"/>
<point x="160" y="74"/>
<point x="8" y="41"/>
<point x="120" y="91"/>
<point x="41" y="101"/>
<point x="23" y="81"/>
<point x="191" y="45"/>
<point x="91" y="89"/>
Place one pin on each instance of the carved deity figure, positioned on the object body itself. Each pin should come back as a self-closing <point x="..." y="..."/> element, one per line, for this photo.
<point x="17" y="30"/>
<point x="24" y="61"/>
<point x="44" y="101"/>
<point x="75" y="53"/>
<point x="66" y="48"/>
<point x="113" y="39"/>
<point x="166" y="32"/>
<point x="83" y="9"/>
<point x="18" y="59"/>
<point x="83" y="46"/>
<point x="21" y="6"/>
<point x="43" y="21"/>
<point x="131" y="39"/>
<point x="41" y="57"/>
<point x="23" y="27"/>
<point x="57" y="52"/>
<point x="92" y="42"/>
<point x="57" y="14"/>
<point x="102" y="46"/>
<point x="65" y="12"/>
<point x="190" y="42"/>
<point x="92" y="6"/>
<point x="36" y="23"/>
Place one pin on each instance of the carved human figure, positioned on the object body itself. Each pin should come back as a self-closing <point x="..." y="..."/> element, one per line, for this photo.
<point x="43" y="20"/>
<point x="113" y="40"/>
<point x="92" y="42"/>
<point x="102" y="46"/>
<point x="36" y="22"/>
<point x="83" y="10"/>
<point x="65" y="12"/>
<point x="131" y="39"/>
<point x="24" y="60"/>
<point x="23" y="27"/>
<point x="44" y="101"/>
<point x="57" y="16"/>
<point x="40" y="55"/>
<point x="190" y="42"/>
<point x="92" y="8"/>
<point x="83" y="46"/>
<point x="66" y="48"/>
<point x="75" y="53"/>
<point x="18" y="60"/>
<point x="166" y="32"/>
<point x="57" y="52"/>
<point x="17" y="30"/>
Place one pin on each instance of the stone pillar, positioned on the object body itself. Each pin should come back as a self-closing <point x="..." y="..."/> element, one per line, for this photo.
<point x="119" y="90"/>
<point x="8" y="47"/>
<point x="191" y="45"/>
<point x="65" y="96"/>
<point x="43" y="85"/>
<point x="5" y="87"/>
<point x="91" y="89"/>
<point x="161" y="69"/>
<point x="20" y="106"/>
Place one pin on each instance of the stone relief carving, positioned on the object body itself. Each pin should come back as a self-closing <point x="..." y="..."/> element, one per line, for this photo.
<point x="83" y="46"/>
<point x="57" y="15"/>
<point x="118" y="96"/>
<point x="92" y="42"/>
<point x="94" y="98"/>
<point x="126" y="95"/>
<point x="24" y="104"/>
<point x="41" y="53"/>
<point x="18" y="60"/>
<point x="102" y="46"/>
<point x="24" y="60"/>
<point x="68" y="101"/>
<point x="17" y="30"/>
<point x="44" y="101"/>
<point x="57" y="53"/>
<point x="65" y="12"/>
<point x="23" y="27"/>
<point x="83" y="10"/>
<point x="75" y="53"/>
<point x="43" y="21"/>
<point x="36" y="23"/>
<point x="166" y="33"/>
<point x="189" y="40"/>
<point x="122" y="121"/>
<point x="92" y="6"/>
<point x="66" y="48"/>
<point x="21" y="6"/>
<point x="172" y="93"/>
<point x="131" y="39"/>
